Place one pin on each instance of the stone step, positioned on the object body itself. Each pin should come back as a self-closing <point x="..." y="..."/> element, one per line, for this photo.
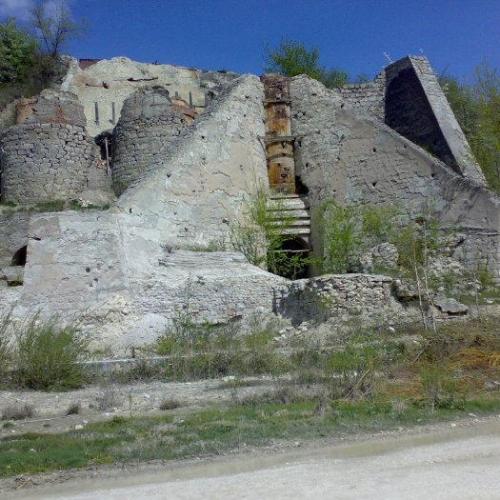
<point x="297" y="231"/>
<point x="283" y="196"/>
<point x="291" y="211"/>
<point x="287" y="204"/>
<point x="296" y="214"/>
<point x="293" y="222"/>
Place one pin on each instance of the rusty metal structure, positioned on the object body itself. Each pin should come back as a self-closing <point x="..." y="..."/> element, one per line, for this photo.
<point x="279" y="139"/>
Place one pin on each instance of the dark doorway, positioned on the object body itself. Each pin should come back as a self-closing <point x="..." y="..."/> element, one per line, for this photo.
<point x="291" y="261"/>
<point x="19" y="258"/>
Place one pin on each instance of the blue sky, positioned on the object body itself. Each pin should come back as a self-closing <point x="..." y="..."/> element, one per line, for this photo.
<point x="233" y="34"/>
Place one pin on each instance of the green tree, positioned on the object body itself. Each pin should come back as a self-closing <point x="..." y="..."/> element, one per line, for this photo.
<point x="292" y="58"/>
<point x="17" y="53"/>
<point x="477" y="108"/>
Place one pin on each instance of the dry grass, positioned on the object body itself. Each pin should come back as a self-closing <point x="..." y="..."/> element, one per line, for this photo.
<point x="18" y="412"/>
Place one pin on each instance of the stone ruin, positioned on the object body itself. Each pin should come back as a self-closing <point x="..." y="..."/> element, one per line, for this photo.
<point x="168" y="157"/>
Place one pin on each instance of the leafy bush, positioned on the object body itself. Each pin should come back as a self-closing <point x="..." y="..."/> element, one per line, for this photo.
<point x="352" y="371"/>
<point x="348" y="231"/>
<point x="47" y="356"/>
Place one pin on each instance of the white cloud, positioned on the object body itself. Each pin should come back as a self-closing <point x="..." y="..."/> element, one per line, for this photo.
<point x="20" y="9"/>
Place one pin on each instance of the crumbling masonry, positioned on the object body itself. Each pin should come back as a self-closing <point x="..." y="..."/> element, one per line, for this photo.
<point x="168" y="157"/>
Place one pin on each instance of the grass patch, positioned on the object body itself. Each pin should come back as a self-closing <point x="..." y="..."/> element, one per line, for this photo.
<point x="210" y="432"/>
<point x="50" y="206"/>
<point x="372" y="383"/>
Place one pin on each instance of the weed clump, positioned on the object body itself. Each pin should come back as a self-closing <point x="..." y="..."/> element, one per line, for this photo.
<point x="47" y="356"/>
<point x="74" y="409"/>
<point x="18" y="412"/>
<point x="169" y="404"/>
<point x="197" y="351"/>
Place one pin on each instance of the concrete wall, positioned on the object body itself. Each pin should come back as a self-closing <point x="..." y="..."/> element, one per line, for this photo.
<point x="122" y="275"/>
<point x="89" y="270"/>
<point x="148" y="125"/>
<point x="416" y="107"/>
<point x="13" y="234"/>
<point x="353" y="159"/>
<point x="197" y="192"/>
<point x="109" y="82"/>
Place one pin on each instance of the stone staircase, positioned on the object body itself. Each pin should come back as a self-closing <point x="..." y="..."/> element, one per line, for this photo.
<point x="291" y="211"/>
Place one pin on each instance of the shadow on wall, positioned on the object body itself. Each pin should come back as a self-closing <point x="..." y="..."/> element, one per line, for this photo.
<point x="408" y="112"/>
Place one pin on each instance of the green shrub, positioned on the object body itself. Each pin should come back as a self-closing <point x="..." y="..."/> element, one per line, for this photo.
<point x="342" y="239"/>
<point x="352" y="371"/>
<point x="417" y="241"/>
<point x="17" y="53"/>
<point x="47" y="356"/>
<point x="476" y="106"/>
<point x="348" y="231"/>
<point x="440" y="388"/>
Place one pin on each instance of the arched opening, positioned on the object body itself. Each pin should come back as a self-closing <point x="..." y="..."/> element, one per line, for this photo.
<point x="291" y="260"/>
<point x="19" y="258"/>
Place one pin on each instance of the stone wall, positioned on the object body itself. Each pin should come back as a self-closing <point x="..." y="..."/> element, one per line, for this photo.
<point x="51" y="106"/>
<point x="48" y="155"/>
<point x="148" y="125"/>
<point x="49" y="161"/>
<point x="345" y="297"/>
<point x="366" y="98"/>
<point x="103" y="87"/>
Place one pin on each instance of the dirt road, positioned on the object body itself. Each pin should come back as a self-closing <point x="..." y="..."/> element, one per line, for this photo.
<point x="450" y="462"/>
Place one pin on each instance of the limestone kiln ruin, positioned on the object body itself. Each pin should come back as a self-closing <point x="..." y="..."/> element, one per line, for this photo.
<point x="168" y="157"/>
